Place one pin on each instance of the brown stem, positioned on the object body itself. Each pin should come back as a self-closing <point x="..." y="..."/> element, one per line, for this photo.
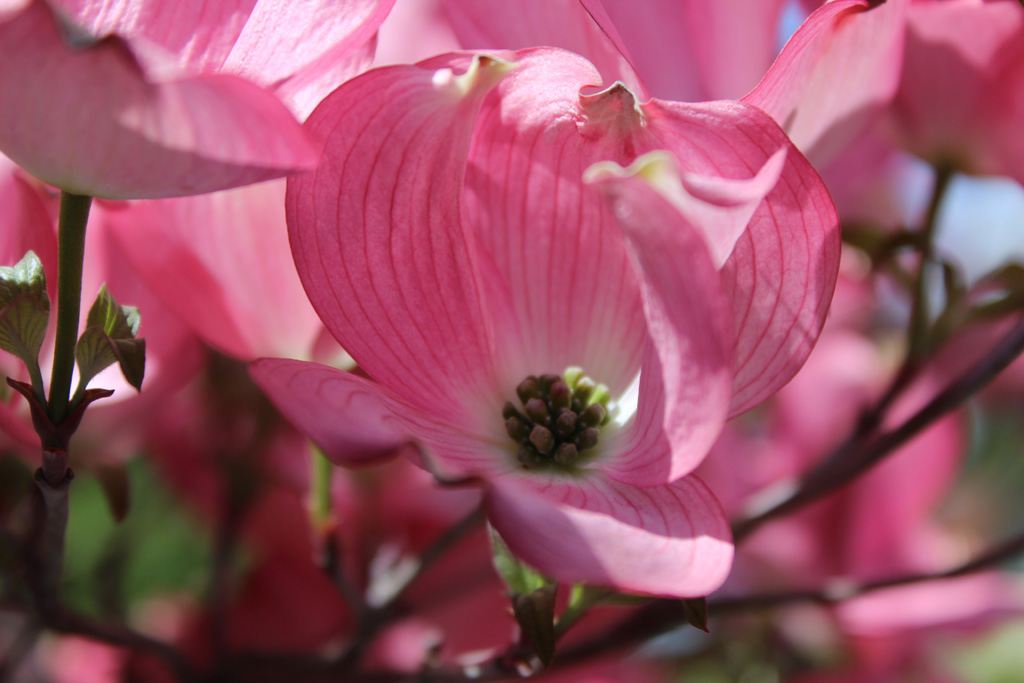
<point x="842" y="591"/>
<point x="663" y="615"/>
<point x="63" y="621"/>
<point x="846" y="469"/>
<point x="46" y="542"/>
<point x="18" y="650"/>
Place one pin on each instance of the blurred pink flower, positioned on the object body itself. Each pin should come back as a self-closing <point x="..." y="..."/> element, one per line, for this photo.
<point x="221" y="262"/>
<point x="154" y="99"/>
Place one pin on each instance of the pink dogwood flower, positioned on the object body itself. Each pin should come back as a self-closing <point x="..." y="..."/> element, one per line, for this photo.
<point x="575" y="354"/>
<point x="146" y="98"/>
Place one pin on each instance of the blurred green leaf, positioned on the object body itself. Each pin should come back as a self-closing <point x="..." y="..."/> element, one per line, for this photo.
<point x="518" y="576"/>
<point x="695" y="610"/>
<point x="160" y="548"/>
<point x="535" y="614"/>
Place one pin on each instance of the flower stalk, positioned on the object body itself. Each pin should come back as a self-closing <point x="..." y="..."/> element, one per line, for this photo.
<point x="74" y="214"/>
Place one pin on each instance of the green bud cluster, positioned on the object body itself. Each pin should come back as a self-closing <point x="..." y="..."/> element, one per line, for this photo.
<point x="561" y="417"/>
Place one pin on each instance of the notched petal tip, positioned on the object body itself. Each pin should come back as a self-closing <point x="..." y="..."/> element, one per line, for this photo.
<point x="659" y="169"/>
<point x="484" y="72"/>
<point x="615" y="107"/>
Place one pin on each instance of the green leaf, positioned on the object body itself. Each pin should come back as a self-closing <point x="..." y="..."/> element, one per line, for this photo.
<point x="535" y="614"/>
<point x="116" y="485"/>
<point x="24" y="309"/>
<point x="518" y="576"/>
<point x="695" y="610"/>
<point x="109" y="338"/>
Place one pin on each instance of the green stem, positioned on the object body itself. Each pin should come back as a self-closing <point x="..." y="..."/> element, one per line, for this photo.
<point x="320" y="503"/>
<point x="919" y="316"/>
<point x="580" y="602"/>
<point x="74" y="214"/>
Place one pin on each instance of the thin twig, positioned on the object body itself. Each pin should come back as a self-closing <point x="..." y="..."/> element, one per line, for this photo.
<point x="386" y="596"/>
<point x="63" y="621"/>
<point x="19" y="649"/>
<point x="663" y="615"/>
<point x="844" y="590"/>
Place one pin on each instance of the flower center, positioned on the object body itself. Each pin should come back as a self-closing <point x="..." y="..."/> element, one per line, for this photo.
<point x="560" y="419"/>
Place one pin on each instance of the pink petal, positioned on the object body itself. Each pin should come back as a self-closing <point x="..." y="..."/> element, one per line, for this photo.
<point x="696" y="50"/>
<point x="523" y="201"/>
<point x="359" y="422"/>
<point x="27" y="223"/>
<point x="304" y="50"/>
<point x="966" y="601"/>
<point x="835" y="75"/>
<point x="247" y="301"/>
<point x="668" y="540"/>
<point x="782" y="270"/>
<point x="92" y="122"/>
<point x="685" y="379"/>
<point x="414" y="31"/>
<point x="377" y="236"/>
<point x="961" y="96"/>
<point x="580" y="26"/>
<point x="555" y="247"/>
<point x="301" y="50"/>
<point x="345" y="415"/>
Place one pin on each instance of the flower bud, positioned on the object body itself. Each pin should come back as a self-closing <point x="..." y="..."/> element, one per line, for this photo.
<point x="593" y="415"/>
<point x="517" y="429"/>
<point x="545" y="382"/>
<point x="572" y="375"/>
<point x="527" y="389"/>
<point x="566" y="454"/>
<point x="601" y="395"/>
<point x="542" y="439"/>
<point x="561" y="396"/>
<point x="584" y="388"/>
<point x="565" y="425"/>
<point x="587" y="438"/>
<point x="528" y="457"/>
<point x="537" y="410"/>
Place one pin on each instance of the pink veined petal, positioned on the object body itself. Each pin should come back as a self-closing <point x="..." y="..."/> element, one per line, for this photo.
<point x="302" y="49"/>
<point x="89" y="121"/>
<point x="835" y="75"/>
<point x="221" y="262"/>
<point x="357" y="422"/>
<point x="558" y="253"/>
<point x="686" y="378"/>
<point x="580" y="26"/>
<point x="697" y="50"/>
<point x="345" y="415"/>
<point x="575" y="291"/>
<point x="782" y="270"/>
<point x="378" y="239"/>
<point x="670" y="540"/>
<point x="198" y="33"/>
<point x="723" y="206"/>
